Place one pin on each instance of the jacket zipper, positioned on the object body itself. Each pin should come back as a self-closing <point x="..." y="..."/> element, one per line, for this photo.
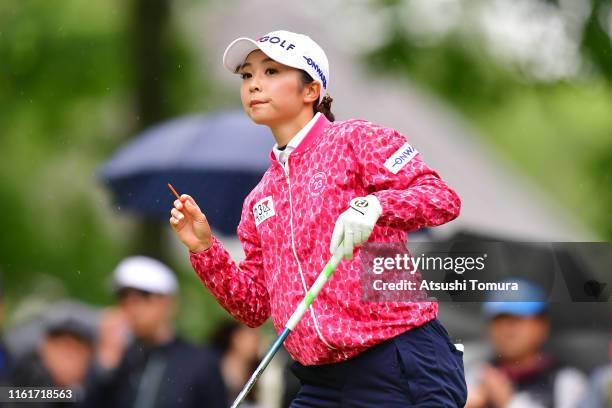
<point x="314" y="319"/>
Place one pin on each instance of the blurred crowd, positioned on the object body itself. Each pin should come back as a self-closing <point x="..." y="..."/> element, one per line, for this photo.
<point x="520" y="372"/>
<point x="130" y="355"/>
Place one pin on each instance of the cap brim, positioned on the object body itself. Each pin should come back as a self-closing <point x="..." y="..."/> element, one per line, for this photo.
<point x="131" y="283"/>
<point x="522" y="309"/>
<point x="236" y="53"/>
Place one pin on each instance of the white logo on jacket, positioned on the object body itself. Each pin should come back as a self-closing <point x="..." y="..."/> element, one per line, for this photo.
<point x="399" y="159"/>
<point x="317" y="183"/>
<point x="263" y="209"/>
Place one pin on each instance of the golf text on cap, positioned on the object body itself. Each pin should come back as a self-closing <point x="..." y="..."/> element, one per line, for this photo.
<point x="263" y="209"/>
<point x="313" y="64"/>
<point x="276" y="40"/>
<point x="399" y="159"/>
<point x="288" y="46"/>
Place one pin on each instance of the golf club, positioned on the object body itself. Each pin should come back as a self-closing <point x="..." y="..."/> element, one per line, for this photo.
<point x="295" y="318"/>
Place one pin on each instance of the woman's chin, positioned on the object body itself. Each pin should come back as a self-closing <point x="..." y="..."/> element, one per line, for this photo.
<point x="259" y="118"/>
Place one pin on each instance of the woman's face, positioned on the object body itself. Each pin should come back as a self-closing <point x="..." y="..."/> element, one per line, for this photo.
<point x="271" y="92"/>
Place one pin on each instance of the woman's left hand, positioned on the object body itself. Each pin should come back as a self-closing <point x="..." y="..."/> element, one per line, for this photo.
<point x="355" y="225"/>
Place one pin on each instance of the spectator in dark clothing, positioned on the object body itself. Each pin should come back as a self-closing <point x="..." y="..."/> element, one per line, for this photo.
<point x="158" y="369"/>
<point x="521" y="374"/>
<point x="62" y="360"/>
<point x="5" y="364"/>
<point x="5" y="357"/>
<point x="237" y="346"/>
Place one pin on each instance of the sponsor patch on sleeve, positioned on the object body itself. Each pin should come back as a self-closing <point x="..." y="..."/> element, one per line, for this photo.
<point x="399" y="159"/>
<point x="263" y="209"/>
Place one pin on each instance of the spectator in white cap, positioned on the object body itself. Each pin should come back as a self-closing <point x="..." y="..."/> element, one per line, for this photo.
<point x="146" y="289"/>
<point x="158" y="369"/>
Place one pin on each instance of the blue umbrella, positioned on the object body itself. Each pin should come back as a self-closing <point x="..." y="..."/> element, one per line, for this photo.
<point x="216" y="158"/>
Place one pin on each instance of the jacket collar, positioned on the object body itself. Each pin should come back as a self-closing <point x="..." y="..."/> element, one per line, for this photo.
<point x="309" y="139"/>
<point x="297" y="139"/>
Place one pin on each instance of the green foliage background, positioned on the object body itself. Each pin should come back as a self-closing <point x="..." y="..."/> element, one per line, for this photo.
<point x="558" y="132"/>
<point x="66" y="102"/>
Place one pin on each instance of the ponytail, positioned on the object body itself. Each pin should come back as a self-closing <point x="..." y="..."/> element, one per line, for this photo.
<point x="325" y="105"/>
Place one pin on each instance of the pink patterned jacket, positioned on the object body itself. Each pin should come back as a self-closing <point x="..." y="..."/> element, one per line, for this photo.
<point x="285" y="230"/>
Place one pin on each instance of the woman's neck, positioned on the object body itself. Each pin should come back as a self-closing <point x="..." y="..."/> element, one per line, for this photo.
<point x="284" y="132"/>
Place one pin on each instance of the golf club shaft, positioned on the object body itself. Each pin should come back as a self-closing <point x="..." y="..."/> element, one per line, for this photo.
<point x="295" y="318"/>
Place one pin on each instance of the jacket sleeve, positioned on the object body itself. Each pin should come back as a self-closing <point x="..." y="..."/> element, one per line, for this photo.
<point x="411" y="198"/>
<point x="240" y="289"/>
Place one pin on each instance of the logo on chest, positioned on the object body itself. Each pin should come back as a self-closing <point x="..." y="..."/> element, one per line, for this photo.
<point x="316" y="185"/>
<point x="263" y="209"/>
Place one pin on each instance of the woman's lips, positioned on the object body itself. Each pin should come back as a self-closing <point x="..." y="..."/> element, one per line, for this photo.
<point x="254" y="103"/>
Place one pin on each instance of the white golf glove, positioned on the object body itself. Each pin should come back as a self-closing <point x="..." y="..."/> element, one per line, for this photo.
<point x="355" y="225"/>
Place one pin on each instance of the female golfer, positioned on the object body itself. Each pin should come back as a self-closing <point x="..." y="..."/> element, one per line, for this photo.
<point x="331" y="186"/>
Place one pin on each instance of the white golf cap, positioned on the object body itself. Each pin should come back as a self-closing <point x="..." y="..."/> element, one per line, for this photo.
<point x="147" y="274"/>
<point x="292" y="49"/>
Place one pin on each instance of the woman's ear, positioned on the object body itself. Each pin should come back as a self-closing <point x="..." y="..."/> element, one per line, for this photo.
<point x="313" y="90"/>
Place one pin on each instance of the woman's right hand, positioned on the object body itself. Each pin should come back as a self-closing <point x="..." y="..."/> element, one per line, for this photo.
<point x="190" y="224"/>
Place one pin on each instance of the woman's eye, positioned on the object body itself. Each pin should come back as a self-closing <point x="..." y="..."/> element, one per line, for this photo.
<point x="245" y="75"/>
<point x="271" y="71"/>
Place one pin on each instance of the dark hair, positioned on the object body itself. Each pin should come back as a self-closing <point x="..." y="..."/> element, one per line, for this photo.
<point x="72" y="327"/>
<point x="222" y="337"/>
<point x="325" y="105"/>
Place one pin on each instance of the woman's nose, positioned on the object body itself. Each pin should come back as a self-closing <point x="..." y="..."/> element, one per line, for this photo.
<point x="254" y="86"/>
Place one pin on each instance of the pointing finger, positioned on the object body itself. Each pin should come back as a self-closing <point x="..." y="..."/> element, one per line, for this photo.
<point x="185" y="197"/>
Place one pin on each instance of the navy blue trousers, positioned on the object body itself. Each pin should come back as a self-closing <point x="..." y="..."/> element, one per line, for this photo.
<point x="419" y="368"/>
